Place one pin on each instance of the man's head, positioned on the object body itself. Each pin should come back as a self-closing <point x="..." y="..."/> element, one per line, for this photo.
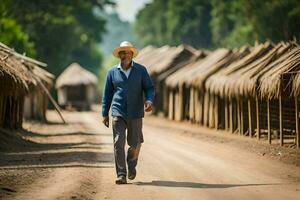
<point x="126" y="56"/>
<point x="125" y="51"/>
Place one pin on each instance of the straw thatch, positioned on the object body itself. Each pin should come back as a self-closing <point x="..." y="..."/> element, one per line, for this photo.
<point x="75" y="75"/>
<point x="271" y="83"/>
<point x="145" y="52"/>
<point x="200" y="78"/>
<point x="76" y="88"/>
<point x="172" y="57"/>
<point x="296" y="85"/>
<point x="223" y="82"/>
<point x="154" y="56"/>
<point x="20" y="77"/>
<point x="211" y="60"/>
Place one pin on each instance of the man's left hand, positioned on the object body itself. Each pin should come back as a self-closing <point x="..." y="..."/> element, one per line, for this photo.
<point x="148" y="106"/>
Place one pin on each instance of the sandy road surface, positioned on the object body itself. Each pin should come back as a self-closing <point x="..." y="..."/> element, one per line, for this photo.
<point x="75" y="161"/>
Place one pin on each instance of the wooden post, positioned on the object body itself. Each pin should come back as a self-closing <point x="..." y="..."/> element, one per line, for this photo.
<point x="239" y="115"/>
<point x="180" y="104"/>
<point x="257" y="118"/>
<point x="269" y="121"/>
<point x="226" y="113"/>
<point x="280" y="121"/>
<point x="200" y="106"/>
<point x="211" y="119"/>
<point x="230" y="115"/>
<point x="205" y="108"/>
<point x="191" y="107"/>
<point x="242" y="117"/>
<point x="297" y="123"/>
<point x="171" y="101"/>
<point x="216" y="112"/>
<point x="249" y="117"/>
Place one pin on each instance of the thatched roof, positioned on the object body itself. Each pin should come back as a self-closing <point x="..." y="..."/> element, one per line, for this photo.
<point x="154" y="56"/>
<point x="182" y="63"/>
<point x="145" y="52"/>
<point x="174" y="56"/>
<point x="271" y="83"/>
<point x="200" y="78"/>
<point x="75" y="75"/>
<point x="296" y="85"/>
<point x="224" y="81"/>
<point x="208" y="64"/>
<point x="21" y="72"/>
<point x="188" y="73"/>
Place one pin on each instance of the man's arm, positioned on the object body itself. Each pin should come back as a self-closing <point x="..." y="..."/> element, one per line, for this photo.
<point x="148" y="90"/>
<point x="107" y="98"/>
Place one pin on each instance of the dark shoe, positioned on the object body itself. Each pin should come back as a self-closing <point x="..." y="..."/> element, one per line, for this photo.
<point x="121" y="180"/>
<point x="132" y="174"/>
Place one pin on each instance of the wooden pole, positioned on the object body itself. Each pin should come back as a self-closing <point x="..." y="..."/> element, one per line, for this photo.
<point x="230" y="115"/>
<point x="242" y="117"/>
<point x="239" y="115"/>
<point x="226" y="113"/>
<point x="269" y="121"/>
<point x="216" y="112"/>
<point x="180" y="105"/>
<point x="206" y="113"/>
<point x="171" y="100"/>
<point x="297" y="123"/>
<point x="191" y="107"/>
<point x="211" y="110"/>
<point x="250" y="117"/>
<point x="280" y="120"/>
<point x="257" y="118"/>
<point x="200" y="105"/>
<point x="52" y="101"/>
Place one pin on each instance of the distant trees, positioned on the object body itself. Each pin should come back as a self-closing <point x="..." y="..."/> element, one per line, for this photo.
<point x="57" y="32"/>
<point x="210" y="23"/>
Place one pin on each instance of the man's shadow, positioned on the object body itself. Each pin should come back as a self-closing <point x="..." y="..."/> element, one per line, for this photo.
<point x="194" y="185"/>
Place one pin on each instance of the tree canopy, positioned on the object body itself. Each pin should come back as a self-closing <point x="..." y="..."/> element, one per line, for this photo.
<point x="212" y="23"/>
<point x="57" y="32"/>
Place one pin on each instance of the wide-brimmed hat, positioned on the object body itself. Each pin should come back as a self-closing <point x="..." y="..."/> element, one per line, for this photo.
<point x="125" y="45"/>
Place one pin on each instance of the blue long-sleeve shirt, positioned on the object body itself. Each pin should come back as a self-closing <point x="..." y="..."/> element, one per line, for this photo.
<point x="125" y="95"/>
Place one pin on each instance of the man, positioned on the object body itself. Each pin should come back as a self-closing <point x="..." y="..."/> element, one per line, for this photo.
<point x="130" y="92"/>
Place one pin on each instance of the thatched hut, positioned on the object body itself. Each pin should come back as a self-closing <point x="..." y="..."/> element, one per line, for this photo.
<point x="163" y="61"/>
<point x="76" y="87"/>
<point x="18" y="78"/>
<point x="179" y="85"/>
<point x="219" y="85"/>
<point x="257" y="92"/>
<point x="36" y="101"/>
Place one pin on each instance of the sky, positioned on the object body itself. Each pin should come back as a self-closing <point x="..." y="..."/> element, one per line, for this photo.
<point x="127" y="9"/>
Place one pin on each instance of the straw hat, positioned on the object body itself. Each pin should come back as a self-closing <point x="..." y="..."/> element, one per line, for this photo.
<point x="125" y="45"/>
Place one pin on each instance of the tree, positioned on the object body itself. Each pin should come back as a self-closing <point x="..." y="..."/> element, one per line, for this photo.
<point x="62" y="31"/>
<point x="11" y="32"/>
<point x="174" y="22"/>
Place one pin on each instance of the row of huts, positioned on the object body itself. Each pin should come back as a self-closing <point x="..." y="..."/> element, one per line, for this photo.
<point x="252" y="90"/>
<point x="25" y="86"/>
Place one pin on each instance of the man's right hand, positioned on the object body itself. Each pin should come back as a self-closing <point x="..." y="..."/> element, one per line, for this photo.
<point x="105" y="121"/>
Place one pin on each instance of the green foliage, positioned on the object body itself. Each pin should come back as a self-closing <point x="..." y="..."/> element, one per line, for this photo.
<point x="16" y="37"/>
<point x="229" y="23"/>
<point x="117" y="31"/>
<point x="60" y="31"/>
<point x="175" y="22"/>
<point x="151" y="24"/>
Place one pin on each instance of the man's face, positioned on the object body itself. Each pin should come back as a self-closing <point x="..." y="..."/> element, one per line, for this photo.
<point x="126" y="56"/>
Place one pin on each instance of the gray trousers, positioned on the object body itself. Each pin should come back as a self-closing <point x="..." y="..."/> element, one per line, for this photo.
<point x="134" y="140"/>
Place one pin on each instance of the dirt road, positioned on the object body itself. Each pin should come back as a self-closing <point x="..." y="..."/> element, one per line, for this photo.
<point x="75" y="161"/>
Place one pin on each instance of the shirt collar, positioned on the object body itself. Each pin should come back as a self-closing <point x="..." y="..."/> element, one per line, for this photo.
<point x="120" y="67"/>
